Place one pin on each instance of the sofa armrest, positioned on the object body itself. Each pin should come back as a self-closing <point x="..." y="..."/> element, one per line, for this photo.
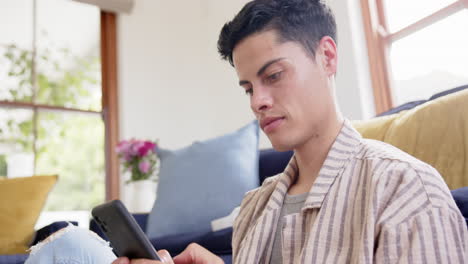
<point x="48" y="230"/>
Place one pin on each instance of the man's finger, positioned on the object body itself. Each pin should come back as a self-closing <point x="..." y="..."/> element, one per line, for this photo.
<point x="196" y="254"/>
<point x="165" y="256"/>
<point x="122" y="260"/>
<point x="145" y="261"/>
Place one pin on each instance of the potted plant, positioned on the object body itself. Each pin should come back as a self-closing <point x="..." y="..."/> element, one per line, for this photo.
<point x="140" y="163"/>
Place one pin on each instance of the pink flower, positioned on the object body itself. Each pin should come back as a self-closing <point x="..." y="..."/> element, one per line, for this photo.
<point x="147" y="146"/>
<point x="122" y="147"/>
<point x="136" y="145"/>
<point x="138" y="157"/>
<point x="144" y="166"/>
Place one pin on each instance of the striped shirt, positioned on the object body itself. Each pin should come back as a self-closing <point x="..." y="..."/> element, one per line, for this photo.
<point x="370" y="203"/>
<point x="292" y="204"/>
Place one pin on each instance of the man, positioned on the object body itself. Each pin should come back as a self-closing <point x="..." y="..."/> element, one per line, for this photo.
<point x="341" y="199"/>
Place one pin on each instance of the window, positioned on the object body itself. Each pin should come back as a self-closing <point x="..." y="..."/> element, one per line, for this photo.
<point x="56" y="114"/>
<point x="416" y="48"/>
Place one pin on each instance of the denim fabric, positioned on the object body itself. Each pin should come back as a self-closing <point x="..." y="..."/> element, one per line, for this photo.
<point x="72" y="245"/>
<point x="46" y="231"/>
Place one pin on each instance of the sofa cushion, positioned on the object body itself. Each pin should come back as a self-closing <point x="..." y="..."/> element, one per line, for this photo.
<point x="460" y="196"/>
<point x="447" y="92"/>
<point x="435" y="132"/>
<point x="204" y="181"/>
<point x="272" y="162"/>
<point x="218" y="242"/>
<point x="403" y="107"/>
<point x="411" y="105"/>
<point x="21" y="202"/>
<point x="13" y="259"/>
<point x="375" y="128"/>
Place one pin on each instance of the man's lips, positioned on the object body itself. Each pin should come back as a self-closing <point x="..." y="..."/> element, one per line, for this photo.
<point x="270" y="123"/>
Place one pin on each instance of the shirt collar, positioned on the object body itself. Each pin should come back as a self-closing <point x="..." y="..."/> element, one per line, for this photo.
<point x="341" y="151"/>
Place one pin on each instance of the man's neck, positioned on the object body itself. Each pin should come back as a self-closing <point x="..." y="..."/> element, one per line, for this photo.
<point x="311" y="156"/>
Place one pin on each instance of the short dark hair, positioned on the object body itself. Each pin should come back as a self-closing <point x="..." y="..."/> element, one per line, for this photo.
<point x="303" y="21"/>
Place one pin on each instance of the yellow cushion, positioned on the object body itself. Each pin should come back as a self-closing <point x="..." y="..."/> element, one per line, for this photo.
<point x="375" y="128"/>
<point x="21" y="202"/>
<point x="435" y="132"/>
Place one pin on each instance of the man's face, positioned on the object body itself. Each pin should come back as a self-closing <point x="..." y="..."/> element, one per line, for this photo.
<point x="289" y="91"/>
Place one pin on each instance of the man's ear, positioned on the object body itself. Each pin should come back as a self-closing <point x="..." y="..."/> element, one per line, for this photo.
<point x="329" y="55"/>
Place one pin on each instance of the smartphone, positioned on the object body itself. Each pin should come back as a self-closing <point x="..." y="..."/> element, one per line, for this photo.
<point x="125" y="235"/>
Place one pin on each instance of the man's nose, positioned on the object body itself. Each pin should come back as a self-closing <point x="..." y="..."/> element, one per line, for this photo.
<point x="261" y="100"/>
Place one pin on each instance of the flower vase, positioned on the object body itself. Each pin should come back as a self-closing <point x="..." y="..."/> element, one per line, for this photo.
<point x="141" y="196"/>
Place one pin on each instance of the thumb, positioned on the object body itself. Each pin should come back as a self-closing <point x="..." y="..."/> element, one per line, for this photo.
<point x="122" y="260"/>
<point x="165" y="257"/>
<point x="185" y="257"/>
<point x="195" y="254"/>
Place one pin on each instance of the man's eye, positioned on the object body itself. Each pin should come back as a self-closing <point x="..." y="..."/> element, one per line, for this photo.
<point x="274" y="77"/>
<point x="249" y="91"/>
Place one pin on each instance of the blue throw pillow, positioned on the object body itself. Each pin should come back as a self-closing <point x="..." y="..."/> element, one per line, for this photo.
<point x="203" y="182"/>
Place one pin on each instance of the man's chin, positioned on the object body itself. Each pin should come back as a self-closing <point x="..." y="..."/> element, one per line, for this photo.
<point x="279" y="145"/>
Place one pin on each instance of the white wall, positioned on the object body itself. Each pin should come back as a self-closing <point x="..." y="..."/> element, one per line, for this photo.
<point x="353" y="81"/>
<point x="173" y="86"/>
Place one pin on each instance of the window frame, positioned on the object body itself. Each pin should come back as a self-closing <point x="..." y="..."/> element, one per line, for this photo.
<point x="109" y="112"/>
<point x="110" y="102"/>
<point x="379" y="41"/>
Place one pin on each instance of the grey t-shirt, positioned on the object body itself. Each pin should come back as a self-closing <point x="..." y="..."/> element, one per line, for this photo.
<point x="292" y="204"/>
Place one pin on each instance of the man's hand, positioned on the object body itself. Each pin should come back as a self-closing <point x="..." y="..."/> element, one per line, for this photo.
<point x="196" y="254"/>
<point x="165" y="258"/>
<point x="193" y="254"/>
